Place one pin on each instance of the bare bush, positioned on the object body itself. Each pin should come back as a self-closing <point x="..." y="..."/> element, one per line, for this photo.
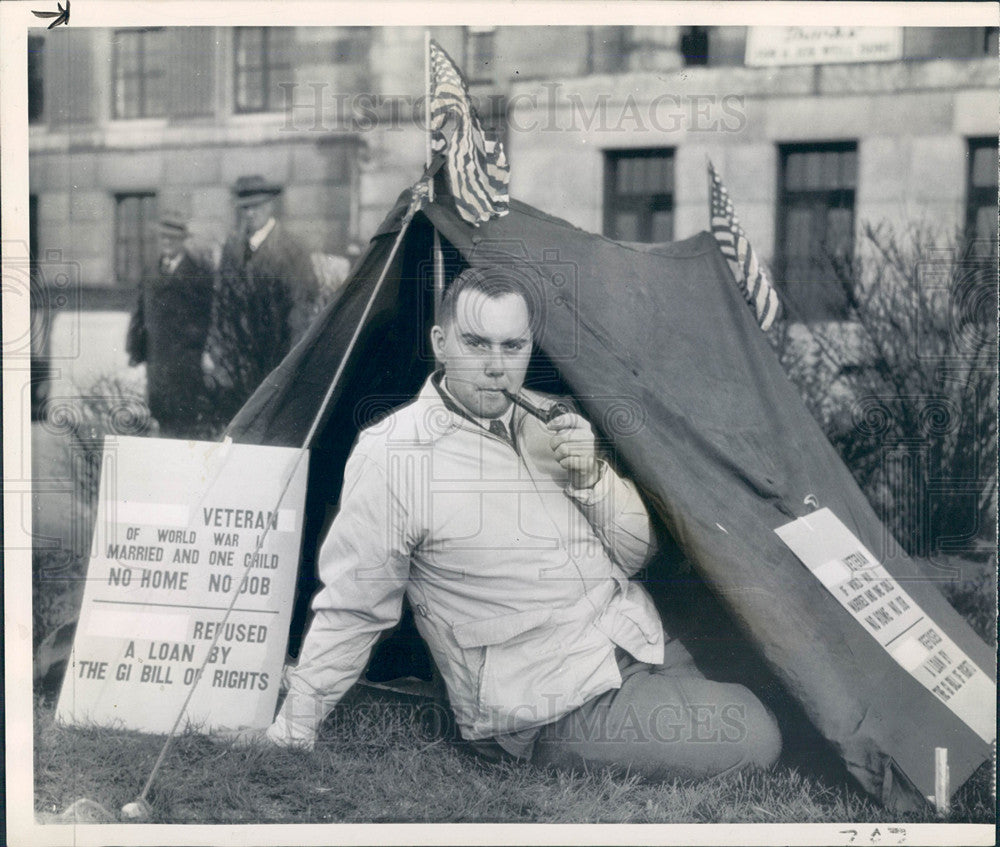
<point x="108" y="406"/>
<point x="261" y="309"/>
<point x="906" y="387"/>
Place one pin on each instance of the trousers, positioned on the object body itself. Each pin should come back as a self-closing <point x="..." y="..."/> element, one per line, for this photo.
<point x="666" y="721"/>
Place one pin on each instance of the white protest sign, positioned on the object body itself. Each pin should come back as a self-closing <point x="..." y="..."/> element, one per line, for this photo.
<point x="869" y="592"/>
<point x="185" y="529"/>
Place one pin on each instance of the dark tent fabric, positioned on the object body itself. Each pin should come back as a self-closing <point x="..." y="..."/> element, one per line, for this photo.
<point x="666" y="359"/>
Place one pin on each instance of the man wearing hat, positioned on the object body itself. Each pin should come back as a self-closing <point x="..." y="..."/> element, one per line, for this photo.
<point x="168" y="332"/>
<point x="266" y="297"/>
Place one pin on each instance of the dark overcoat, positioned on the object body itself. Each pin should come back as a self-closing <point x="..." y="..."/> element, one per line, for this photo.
<point x="265" y="300"/>
<point x="168" y="331"/>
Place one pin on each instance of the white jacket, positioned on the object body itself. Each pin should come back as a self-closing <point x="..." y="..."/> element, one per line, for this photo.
<point x="519" y="584"/>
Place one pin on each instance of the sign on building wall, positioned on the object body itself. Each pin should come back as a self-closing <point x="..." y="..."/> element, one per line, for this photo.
<point x="809" y="45"/>
<point x="190" y="582"/>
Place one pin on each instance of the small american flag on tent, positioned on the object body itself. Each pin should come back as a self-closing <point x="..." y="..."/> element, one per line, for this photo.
<point x="735" y="246"/>
<point x="477" y="166"/>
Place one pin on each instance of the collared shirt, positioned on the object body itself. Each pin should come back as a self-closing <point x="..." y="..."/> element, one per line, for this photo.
<point x="519" y="585"/>
<point x="255" y="240"/>
<point x="518" y="743"/>
<point x="507" y="418"/>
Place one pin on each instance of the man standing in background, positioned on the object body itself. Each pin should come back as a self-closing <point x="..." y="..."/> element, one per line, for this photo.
<point x="265" y="299"/>
<point x="168" y="331"/>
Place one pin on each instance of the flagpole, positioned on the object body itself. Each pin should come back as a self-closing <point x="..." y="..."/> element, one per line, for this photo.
<point x="438" y="274"/>
<point x="438" y="258"/>
<point x="427" y="106"/>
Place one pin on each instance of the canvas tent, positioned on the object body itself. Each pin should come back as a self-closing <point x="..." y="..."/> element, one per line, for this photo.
<point x="664" y="356"/>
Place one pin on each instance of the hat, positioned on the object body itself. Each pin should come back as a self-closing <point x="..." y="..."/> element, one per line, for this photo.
<point x="251" y="190"/>
<point x="173" y="223"/>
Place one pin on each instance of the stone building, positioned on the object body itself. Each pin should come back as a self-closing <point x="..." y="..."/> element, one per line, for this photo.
<point x="813" y="129"/>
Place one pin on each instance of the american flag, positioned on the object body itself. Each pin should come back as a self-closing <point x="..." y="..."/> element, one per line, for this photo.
<point x="477" y="167"/>
<point x="735" y="246"/>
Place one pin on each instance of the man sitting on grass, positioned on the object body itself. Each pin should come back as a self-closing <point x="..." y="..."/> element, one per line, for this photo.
<point x="514" y="542"/>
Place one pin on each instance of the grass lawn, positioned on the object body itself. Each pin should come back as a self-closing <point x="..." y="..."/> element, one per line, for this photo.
<point x="385" y="758"/>
<point x="378" y="761"/>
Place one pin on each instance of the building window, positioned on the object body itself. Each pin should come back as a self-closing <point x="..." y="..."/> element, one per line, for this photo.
<point x="981" y="196"/>
<point x="816" y="227"/>
<point x="990" y="34"/>
<point x="639" y="195"/>
<point x="351" y="46"/>
<point x="349" y="50"/>
<point x="33" y="227"/>
<point x="40" y="320"/>
<point x="957" y="42"/>
<point x="694" y="45"/>
<point x="479" y="51"/>
<point x="135" y="238"/>
<point x="36" y="92"/>
<point x="140" y="73"/>
<point x="608" y="49"/>
<point x="263" y="61"/>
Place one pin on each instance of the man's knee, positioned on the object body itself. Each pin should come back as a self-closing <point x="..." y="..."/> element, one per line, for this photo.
<point x="758" y="730"/>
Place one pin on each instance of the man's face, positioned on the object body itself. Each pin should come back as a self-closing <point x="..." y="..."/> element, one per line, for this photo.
<point x="254" y="217"/>
<point x="485" y="349"/>
<point x="170" y="246"/>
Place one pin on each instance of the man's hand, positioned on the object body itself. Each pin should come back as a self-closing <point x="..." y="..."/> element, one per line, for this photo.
<point x="573" y="447"/>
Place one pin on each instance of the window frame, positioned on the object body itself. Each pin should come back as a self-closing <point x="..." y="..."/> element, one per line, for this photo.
<point x="991" y="37"/>
<point x="645" y="205"/>
<point x="471" y="37"/>
<point x="142" y="75"/>
<point x="979" y="196"/>
<point x="691" y="37"/>
<point x="36" y="79"/>
<point x="268" y="69"/>
<point x="147" y="240"/>
<point x="842" y="197"/>
<point x="608" y="59"/>
<point x="350" y="49"/>
<point x="33" y="227"/>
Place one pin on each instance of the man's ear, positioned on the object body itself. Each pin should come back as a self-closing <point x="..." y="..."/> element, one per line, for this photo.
<point x="437" y="343"/>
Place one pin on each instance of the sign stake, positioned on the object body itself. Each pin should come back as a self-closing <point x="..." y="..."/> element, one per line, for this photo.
<point x="942" y="781"/>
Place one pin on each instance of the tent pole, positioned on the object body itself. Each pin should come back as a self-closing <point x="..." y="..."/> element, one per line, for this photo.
<point x="139" y="808"/>
<point x="438" y="260"/>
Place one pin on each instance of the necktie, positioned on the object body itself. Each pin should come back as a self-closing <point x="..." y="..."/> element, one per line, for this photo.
<point x="499" y="429"/>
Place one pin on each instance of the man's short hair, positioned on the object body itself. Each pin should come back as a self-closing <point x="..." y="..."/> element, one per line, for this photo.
<point x="493" y="282"/>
